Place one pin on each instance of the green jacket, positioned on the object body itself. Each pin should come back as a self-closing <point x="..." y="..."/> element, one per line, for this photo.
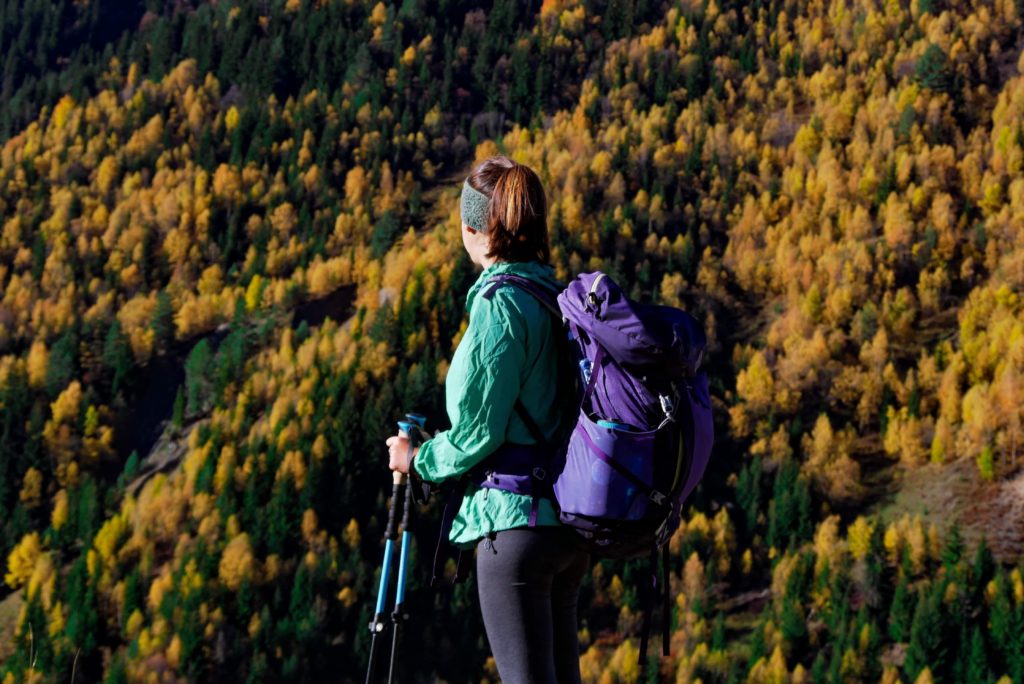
<point x="508" y="350"/>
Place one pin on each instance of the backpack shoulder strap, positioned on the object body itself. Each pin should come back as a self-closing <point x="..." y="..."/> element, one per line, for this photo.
<point x="544" y="295"/>
<point x="548" y="299"/>
<point x="531" y="424"/>
<point x="535" y="431"/>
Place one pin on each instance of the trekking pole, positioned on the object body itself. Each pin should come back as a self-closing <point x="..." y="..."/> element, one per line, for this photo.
<point x="412" y="427"/>
<point x="378" y="625"/>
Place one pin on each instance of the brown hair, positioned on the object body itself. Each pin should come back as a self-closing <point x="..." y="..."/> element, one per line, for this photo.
<point x="517" y="214"/>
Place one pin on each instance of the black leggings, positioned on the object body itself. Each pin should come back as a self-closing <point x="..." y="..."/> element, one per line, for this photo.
<point x="529" y="580"/>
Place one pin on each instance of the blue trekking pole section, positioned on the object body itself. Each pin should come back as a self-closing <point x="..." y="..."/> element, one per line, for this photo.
<point x="412" y="427"/>
<point x="378" y="624"/>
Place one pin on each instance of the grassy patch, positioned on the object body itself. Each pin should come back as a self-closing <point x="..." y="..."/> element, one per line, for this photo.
<point x="10" y="607"/>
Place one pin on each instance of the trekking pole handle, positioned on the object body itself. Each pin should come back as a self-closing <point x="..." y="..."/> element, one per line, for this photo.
<point x="398" y="479"/>
<point x="412" y="430"/>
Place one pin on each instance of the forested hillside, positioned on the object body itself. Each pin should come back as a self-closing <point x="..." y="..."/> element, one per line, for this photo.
<point x="834" y="189"/>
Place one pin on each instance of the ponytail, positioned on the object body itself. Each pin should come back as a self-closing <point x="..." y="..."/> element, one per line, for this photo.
<point x="517" y="211"/>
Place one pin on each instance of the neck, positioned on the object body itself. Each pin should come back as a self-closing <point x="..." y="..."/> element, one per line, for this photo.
<point x="487" y="261"/>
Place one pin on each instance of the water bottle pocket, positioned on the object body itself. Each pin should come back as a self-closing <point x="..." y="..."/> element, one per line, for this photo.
<point x="607" y="472"/>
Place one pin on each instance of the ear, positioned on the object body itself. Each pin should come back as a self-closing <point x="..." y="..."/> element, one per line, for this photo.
<point x="470" y="229"/>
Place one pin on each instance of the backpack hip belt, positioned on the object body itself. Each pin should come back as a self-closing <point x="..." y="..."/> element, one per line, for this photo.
<point x="514" y="468"/>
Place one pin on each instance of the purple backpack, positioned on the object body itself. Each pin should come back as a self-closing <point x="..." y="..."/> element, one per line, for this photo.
<point x="643" y="426"/>
<point x="643" y="430"/>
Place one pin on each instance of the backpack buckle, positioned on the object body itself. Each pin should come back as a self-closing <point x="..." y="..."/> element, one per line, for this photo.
<point x="666" y="405"/>
<point x="657" y="497"/>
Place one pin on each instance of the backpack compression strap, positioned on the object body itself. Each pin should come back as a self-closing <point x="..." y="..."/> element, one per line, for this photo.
<point x="665" y="614"/>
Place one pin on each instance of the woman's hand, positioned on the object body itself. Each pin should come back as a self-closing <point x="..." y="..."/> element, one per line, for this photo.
<point x="398" y="450"/>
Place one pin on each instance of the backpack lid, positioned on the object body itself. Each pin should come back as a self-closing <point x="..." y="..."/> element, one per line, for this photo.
<point x="644" y="337"/>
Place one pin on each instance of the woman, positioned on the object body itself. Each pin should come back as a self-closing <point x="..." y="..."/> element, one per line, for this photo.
<point x="528" y="575"/>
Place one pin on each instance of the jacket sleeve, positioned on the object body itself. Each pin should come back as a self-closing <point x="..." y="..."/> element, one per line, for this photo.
<point x="480" y="390"/>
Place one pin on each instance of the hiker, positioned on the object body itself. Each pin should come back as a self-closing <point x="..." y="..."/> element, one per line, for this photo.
<point x="529" y="566"/>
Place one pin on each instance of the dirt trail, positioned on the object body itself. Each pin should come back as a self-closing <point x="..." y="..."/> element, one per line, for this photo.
<point x="954" y="492"/>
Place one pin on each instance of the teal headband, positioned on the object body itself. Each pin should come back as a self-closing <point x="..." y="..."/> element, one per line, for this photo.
<point x="473" y="205"/>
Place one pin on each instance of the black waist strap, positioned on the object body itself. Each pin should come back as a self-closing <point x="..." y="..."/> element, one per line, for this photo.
<point x="451" y="506"/>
